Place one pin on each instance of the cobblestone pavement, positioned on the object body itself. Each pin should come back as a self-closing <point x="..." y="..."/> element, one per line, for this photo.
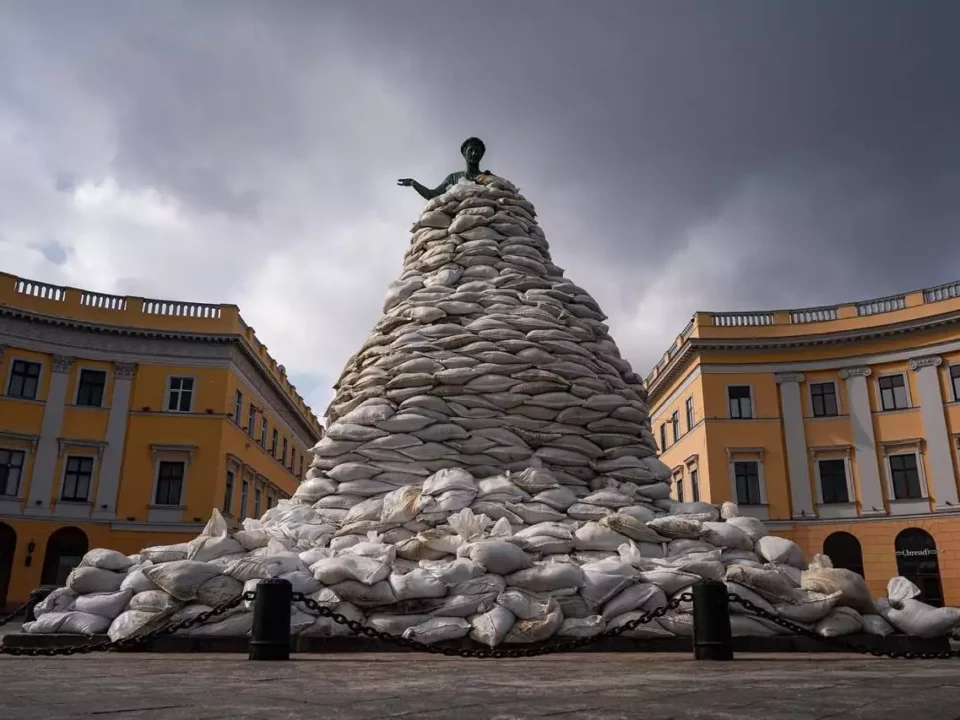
<point x="361" y="686"/>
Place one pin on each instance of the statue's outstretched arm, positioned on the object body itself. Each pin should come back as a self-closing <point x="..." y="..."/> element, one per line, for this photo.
<point x="425" y="192"/>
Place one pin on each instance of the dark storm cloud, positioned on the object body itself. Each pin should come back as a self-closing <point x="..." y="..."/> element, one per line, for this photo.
<point x="682" y="155"/>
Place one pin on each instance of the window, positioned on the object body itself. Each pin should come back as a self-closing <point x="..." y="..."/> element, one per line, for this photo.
<point x="741" y="408"/>
<point x="663" y="436"/>
<point x="833" y="481"/>
<point x="690" y="420"/>
<point x="251" y="419"/>
<point x="746" y="474"/>
<point x="695" y="485"/>
<point x="675" y="425"/>
<point x="955" y="381"/>
<point x="256" y="502"/>
<point x="11" y="468"/>
<point x="237" y="407"/>
<point x="893" y="392"/>
<point x="905" y="477"/>
<point x="263" y="431"/>
<point x="293" y="459"/>
<point x="180" y="395"/>
<point x="823" y="397"/>
<point x="271" y="500"/>
<point x="228" y="493"/>
<point x="300" y="471"/>
<point x="90" y="388"/>
<point x="169" y="483"/>
<point x="77" y="479"/>
<point x="24" y="380"/>
<point x="244" y="489"/>
<point x="276" y="440"/>
<point x="678" y="479"/>
<point x="283" y="455"/>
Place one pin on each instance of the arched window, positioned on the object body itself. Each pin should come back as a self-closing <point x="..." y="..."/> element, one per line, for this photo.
<point x="917" y="561"/>
<point x="8" y="548"/>
<point x="65" y="548"/>
<point x="844" y="550"/>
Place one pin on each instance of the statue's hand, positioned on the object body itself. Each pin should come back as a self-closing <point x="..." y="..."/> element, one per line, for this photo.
<point x="405" y="182"/>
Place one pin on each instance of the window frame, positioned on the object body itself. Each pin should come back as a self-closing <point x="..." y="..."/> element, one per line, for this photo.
<point x="749" y="454"/>
<point x="760" y="498"/>
<point x="79" y="385"/>
<point x="237" y="407"/>
<point x="663" y="436"/>
<point x="695" y="484"/>
<point x="917" y="468"/>
<point x="675" y="426"/>
<point x="11" y="452"/>
<point x="228" y="487"/>
<point x="251" y="419"/>
<point x="74" y="500"/>
<point x="276" y="443"/>
<point x="263" y="430"/>
<point x="821" y="496"/>
<point x="168" y="395"/>
<point x="183" y="477"/>
<point x="283" y="452"/>
<point x="749" y="398"/>
<point x="836" y="398"/>
<point x="678" y="483"/>
<point x="244" y="496"/>
<point x="690" y="414"/>
<point x="906" y="392"/>
<point x="10" y="375"/>
<point x="954" y="380"/>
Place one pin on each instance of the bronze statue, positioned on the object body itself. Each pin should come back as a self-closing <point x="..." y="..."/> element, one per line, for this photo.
<point x="472" y="150"/>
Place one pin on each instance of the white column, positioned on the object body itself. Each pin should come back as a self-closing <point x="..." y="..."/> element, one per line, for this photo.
<point x="41" y="483"/>
<point x="796" y="441"/>
<point x="109" y="485"/>
<point x="935" y="431"/>
<point x="864" y="440"/>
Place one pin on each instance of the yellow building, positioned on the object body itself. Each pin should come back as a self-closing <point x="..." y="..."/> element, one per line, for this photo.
<point x="124" y="421"/>
<point x="839" y="425"/>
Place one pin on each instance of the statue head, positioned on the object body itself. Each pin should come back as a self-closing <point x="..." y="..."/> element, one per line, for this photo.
<point x="473" y="149"/>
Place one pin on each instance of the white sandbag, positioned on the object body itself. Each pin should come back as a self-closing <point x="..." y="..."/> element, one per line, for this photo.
<point x="86" y="580"/>
<point x="438" y="629"/>
<point x="130" y="623"/>
<point x="677" y="527"/>
<point x="60" y="600"/>
<point x="491" y="627"/>
<point x="394" y="624"/>
<point x="916" y="618"/>
<point x="599" y="587"/>
<point x="632" y="528"/>
<point x="729" y="511"/>
<point x="72" y="622"/>
<point x="853" y="589"/>
<point x="181" y="578"/>
<point x="582" y="627"/>
<point x="416" y="584"/>
<point x="900" y="589"/>
<point x="448" y="479"/>
<point x="235" y="625"/>
<point x="325" y="597"/>
<point x="841" y="621"/>
<point x="810" y="607"/>
<point x="154" y="601"/>
<point x="219" y="590"/>
<point x="536" y="629"/>
<point x="309" y="557"/>
<point x="779" y="550"/>
<point x="378" y="550"/>
<point x="264" y="566"/>
<point x="642" y="596"/>
<point x="451" y="572"/>
<point x="670" y="580"/>
<point x="753" y="527"/>
<point x="482" y="585"/>
<point x="543" y="578"/>
<point x="770" y="584"/>
<point x="747" y="626"/>
<point x="638" y="554"/>
<point x="750" y="596"/>
<point x="252" y="539"/>
<point x="106" y="605"/>
<point x="725" y="535"/>
<point x="523" y="604"/>
<point x="877" y="625"/>
<point x="646" y="631"/>
<point x="368" y="571"/>
<point x="680" y="624"/>
<point x="325" y="627"/>
<point x="363" y="595"/>
<point x="594" y="536"/>
<point x="137" y="582"/>
<point x="205" y="549"/>
<point x="401" y="505"/>
<point x="695" y="509"/>
<point x="497" y="556"/>
<point x="106" y="560"/>
<point x="686" y="546"/>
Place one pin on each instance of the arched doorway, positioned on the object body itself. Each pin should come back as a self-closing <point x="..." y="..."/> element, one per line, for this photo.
<point x="845" y="552"/>
<point x="8" y="548"/>
<point x="65" y="548"/>
<point x="918" y="562"/>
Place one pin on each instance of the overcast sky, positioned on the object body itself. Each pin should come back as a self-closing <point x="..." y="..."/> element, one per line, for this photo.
<point x="721" y="155"/>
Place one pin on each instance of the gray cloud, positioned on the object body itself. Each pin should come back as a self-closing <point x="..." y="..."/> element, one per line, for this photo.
<point x="682" y="155"/>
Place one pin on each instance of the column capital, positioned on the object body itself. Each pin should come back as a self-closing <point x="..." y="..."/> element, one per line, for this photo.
<point x="917" y="364"/>
<point x="789" y="378"/>
<point x="62" y="363"/>
<point x="860" y="371"/>
<point x="124" y="371"/>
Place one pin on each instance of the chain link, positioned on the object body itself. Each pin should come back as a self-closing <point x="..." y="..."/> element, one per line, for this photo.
<point x="4" y="619"/>
<point x="563" y="646"/>
<point x="840" y="643"/>
<point x="130" y="642"/>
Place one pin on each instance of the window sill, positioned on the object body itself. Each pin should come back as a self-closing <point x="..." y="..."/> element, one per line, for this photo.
<point x="165" y="513"/>
<point x="23" y="399"/>
<point x="78" y="406"/>
<point x="911" y="506"/>
<point x="894" y="411"/>
<point x="72" y="509"/>
<point x="760" y="512"/>
<point x="825" y="417"/>
<point x="834" y="511"/>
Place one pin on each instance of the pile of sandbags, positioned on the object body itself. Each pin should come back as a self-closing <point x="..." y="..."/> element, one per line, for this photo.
<point x="485" y="358"/>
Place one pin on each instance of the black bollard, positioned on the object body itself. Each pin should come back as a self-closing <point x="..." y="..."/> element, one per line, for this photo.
<point x="270" y="638"/>
<point x="712" y="638"/>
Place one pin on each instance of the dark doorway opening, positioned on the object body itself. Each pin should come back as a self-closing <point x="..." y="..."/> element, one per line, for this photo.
<point x="65" y="548"/>
<point x="918" y="561"/>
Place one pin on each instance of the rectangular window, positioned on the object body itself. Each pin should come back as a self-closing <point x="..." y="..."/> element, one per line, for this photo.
<point x="300" y="471"/>
<point x="823" y="397"/>
<point x="237" y="406"/>
<point x="675" y="425"/>
<point x="169" y="483"/>
<point x="893" y="392"/>
<point x="228" y="493"/>
<point x="77" y="479"/>
<point x="271" y="501"/>
<point x="244" y="489"/>
<point x="90" y="388"/>
<point x="663" y="437"/>
<point x="251" y="420"/>
<point x="747" y="477"/>
<point x="24" y="380"/>
<point x="283" y="454"/>
<point x="955" y="381"/>
<point x="180" y="395"/>
<point x="263" y="431"/>
<point x="695" y="485"/>
<point x="905" y="476"/>
<point x="690" y="419"/>
<point x="276" y="440"/>
<point x="256" y="502"/>
<point x="679" y="481"/>
<point x="833" y="481"/>
<point x="11" y="469"/>
<point x="293" y="459"/>
<point x="741" y="407"/>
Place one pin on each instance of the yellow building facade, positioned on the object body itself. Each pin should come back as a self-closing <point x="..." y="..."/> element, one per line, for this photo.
<point x="124" y="421"/>
<point x="839" y="426"/>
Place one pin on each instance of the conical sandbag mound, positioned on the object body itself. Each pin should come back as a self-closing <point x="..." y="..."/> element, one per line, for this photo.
<point x="487" y="359"/>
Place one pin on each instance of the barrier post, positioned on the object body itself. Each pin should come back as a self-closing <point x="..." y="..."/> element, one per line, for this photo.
<point x="270" y="637"/>
<point x="712" y="637"/>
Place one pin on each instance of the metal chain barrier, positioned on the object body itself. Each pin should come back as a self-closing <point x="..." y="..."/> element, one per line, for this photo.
<point x="564" y="646"/>
<point x="130" y="642"/>
<point x="852" y="647"/>
<point x="4" y="619"/>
